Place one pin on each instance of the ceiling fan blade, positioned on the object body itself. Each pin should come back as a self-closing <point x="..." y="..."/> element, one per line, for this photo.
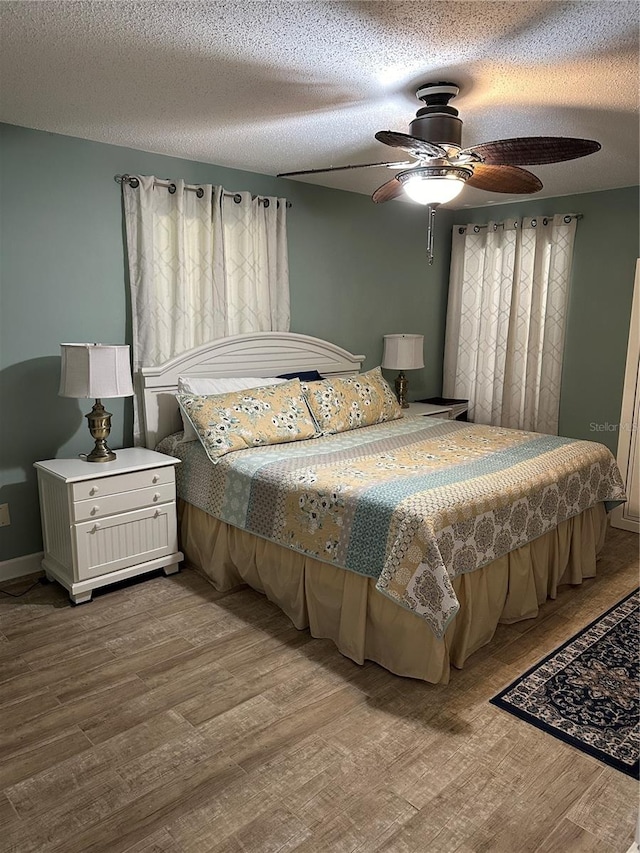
<point x="533" y="150"/>
<point x="412" y="144"/>
<point x="342" y="168"/>
<point x="392" y="189"/>
<point x="503" y="179"/>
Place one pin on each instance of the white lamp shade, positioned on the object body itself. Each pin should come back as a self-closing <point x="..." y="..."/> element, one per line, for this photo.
<point x="403" y="352"/>
<point x="432" y="190"/>
<point x="95" y="370"/>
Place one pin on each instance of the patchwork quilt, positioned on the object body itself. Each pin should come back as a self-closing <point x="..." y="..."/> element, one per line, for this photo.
<point x="412" y="503"/>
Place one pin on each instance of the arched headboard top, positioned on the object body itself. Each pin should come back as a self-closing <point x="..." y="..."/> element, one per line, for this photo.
<point x="254" y="354"/>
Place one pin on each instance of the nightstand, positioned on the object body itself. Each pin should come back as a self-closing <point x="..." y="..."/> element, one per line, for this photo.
<point x="432" y="410"/>
<point x="104" y="522"/>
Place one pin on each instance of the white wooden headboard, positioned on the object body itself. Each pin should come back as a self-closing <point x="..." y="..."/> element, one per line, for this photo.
<point x="255" y="354"/>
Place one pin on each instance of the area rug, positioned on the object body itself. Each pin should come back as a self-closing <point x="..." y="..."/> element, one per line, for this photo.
<point x="586" y="693"/>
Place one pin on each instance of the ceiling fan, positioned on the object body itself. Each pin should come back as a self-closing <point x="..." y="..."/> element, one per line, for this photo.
<point x="441" y="166"/>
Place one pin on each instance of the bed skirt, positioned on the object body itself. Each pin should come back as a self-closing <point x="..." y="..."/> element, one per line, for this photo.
<point x="365" y="625"/>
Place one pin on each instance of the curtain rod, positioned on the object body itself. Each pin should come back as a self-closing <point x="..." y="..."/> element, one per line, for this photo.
<point x="134" y="182"/>
<point x="534" y="221"/>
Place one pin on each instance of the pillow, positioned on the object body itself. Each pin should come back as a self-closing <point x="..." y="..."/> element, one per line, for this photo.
<point x="302" y="375"/>
<point x="350" y="402"/>
<point x="211" y="385"/>
<point x="271" y="414"/>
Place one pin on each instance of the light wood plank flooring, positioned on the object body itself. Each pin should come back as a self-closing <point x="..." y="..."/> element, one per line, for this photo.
<point x="165" y="717"/>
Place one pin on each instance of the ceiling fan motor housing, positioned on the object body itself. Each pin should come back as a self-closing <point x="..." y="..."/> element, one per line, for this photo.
<point x="437" y="122"/>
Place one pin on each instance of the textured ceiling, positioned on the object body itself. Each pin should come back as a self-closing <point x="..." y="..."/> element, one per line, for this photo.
<point x="277" y="86"/>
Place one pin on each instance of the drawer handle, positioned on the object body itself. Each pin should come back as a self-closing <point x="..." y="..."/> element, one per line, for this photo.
<point x="93" y="491"/>
<point x="156" y="514"/>
<point x="94" y="510"/>
<point x="95" y="527"/>
<point x="156" y="497"/>
<point x="155" y="478"/>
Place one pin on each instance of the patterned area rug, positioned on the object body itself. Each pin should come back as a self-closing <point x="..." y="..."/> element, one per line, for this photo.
<point x="586" y="693"/>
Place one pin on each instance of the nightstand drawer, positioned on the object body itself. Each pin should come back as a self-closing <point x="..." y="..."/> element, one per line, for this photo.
<point x="99" y="507"/>
<point x="119" y="483"/>
<point x="124" y="540"/>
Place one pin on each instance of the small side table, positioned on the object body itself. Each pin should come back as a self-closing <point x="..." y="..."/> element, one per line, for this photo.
<point x="433" y="410"/>
<point x="105" y="522"/>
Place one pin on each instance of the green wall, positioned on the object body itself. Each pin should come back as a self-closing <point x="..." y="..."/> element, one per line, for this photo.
<point x="605" y="252"/>
<point x="357" y="271"/>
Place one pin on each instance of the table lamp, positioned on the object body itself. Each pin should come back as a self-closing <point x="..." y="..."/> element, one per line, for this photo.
<point x="403" y="352"/>
<point x="96" y="370"/>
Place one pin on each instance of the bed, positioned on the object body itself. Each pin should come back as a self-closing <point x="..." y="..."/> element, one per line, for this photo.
<point x="405" y="542"/>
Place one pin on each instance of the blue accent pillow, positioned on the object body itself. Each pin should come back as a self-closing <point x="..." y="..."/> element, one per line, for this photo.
<point x="302" y="375"/>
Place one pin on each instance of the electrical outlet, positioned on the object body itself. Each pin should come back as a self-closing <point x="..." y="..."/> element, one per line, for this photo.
<point x="5" y="519"/>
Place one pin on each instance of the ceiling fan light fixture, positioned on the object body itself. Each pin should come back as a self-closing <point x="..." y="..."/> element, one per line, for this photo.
<point x="434" y="184"/>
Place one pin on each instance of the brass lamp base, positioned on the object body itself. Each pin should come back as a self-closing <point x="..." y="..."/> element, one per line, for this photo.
<point x="402" y="385"/>
<point x="100" y="427"/>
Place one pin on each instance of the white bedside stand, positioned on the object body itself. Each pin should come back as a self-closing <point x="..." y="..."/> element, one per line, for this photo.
<point x="104" y="522"/>
<point x="431" y="410"/>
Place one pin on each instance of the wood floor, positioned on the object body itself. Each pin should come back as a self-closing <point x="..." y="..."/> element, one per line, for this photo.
<point x="164" y="717"/>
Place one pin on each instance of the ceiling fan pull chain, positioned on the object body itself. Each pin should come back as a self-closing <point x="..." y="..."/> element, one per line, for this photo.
<point x="431" y="222"/>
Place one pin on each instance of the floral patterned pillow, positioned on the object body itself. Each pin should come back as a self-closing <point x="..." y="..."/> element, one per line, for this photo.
<point x="240" y="419"/>
<point x="350" y="402"/>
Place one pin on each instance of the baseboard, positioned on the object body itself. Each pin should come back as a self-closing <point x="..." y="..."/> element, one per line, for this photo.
<point x="20" y="566"/>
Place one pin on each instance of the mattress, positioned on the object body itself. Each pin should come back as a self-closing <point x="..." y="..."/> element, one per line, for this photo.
<point x="411" y="504"/>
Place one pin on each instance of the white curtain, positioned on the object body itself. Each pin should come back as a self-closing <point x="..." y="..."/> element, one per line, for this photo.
<point x="508" y="296"/>
<point x="202" y="265"/>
